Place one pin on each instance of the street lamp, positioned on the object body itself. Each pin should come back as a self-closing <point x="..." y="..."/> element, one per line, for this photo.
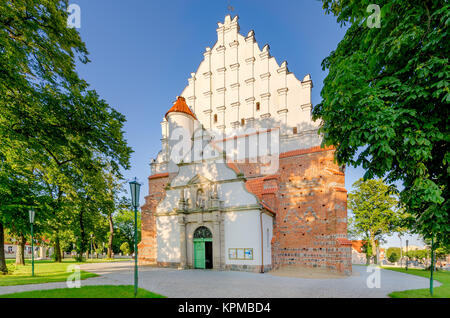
<point x="135" y="188"/>
<point x="432" y="265"/>
<point x="32" y="214"/>
<point x="92" y="235"/>
<point x="407" y="257"/>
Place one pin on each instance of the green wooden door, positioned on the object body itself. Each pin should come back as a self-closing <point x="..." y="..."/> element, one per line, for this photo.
<point x="199" y="254"/>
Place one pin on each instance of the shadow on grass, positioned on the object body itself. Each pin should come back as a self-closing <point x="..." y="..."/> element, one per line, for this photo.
<point x="99" y="291"/>
<point x="442" y="291"/>
<point x="13" y="280"/>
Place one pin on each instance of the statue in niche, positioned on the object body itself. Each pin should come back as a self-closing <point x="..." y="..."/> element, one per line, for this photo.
<point x="214" y="193"/>
<point x="201" y="199"/>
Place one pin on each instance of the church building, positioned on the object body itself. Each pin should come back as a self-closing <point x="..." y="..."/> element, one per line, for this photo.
<point x="241" y="181"/>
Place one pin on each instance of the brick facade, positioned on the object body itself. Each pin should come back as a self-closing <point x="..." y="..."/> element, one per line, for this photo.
<point x="309" y="199"/>
<point x="147" y="248"/>
<point x="311" y="221"/>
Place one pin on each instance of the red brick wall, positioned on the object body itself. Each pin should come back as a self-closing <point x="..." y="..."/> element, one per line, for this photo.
<point x="310" y="201"/>
<point x="309" y="197"/>
<point x="147" y="253"/>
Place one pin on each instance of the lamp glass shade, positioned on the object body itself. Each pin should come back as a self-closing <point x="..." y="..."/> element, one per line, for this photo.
<point x="135" y="189"/>
<point x="31" y="214"/>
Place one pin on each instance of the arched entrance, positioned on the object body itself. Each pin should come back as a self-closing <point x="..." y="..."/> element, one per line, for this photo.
<point x="203" y="251"/>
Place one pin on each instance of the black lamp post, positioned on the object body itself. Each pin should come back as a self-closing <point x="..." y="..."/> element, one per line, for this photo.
<point x="407" y="257"/>
<point x="135" y="189"/>
<point x="432" y="265"/>
<point x="92" y="237"/>
<point x="32" y="214"/>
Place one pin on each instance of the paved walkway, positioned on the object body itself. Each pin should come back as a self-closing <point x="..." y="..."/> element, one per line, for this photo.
<point x="228" y="284"/>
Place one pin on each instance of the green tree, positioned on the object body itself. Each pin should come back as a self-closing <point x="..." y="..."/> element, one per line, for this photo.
<point x="18" y="194"/>
<point x="418" y="255"/>
<point x="374" y="212"/>
<point x="393" y="254"/>
<point x="385" y="102"/>
<point x="125" y="248"/>
<point x="54" y="130"/>
<point x="394" y="257"/>
<point x="442" y="252"/>
<point x="124" y="220"/>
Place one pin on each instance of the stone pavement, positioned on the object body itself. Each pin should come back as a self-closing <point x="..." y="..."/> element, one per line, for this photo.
<point x="228" y="284"/>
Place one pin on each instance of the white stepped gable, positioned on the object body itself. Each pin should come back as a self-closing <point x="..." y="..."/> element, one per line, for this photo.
<point x="236" y="75"/>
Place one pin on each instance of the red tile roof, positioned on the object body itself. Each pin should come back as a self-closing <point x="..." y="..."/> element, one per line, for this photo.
<point x="256" y="186"/>
<point x="159" y="175"/>
<point x="344" y="241"/>
<point x="357" y="245"/>
<point x="180" y="106"/>
<point x="305" y="151"/>
<point x="267" y="207"/>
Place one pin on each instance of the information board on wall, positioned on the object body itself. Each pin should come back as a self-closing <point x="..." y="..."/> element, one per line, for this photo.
<point x="240" y="254"/>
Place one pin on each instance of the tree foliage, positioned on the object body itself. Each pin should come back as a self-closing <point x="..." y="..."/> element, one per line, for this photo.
<point x="62" y="146"/>
<point x="374" y="211"/>
<point x="393" y="254"/>
<point x="386" y="102"/>
<point x="124" y="221"/>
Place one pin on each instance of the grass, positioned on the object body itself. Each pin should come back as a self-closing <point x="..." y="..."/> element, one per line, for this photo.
<point x="102" y="291"/>
<point x="45" y="271"/>
<point x="72" y="260"/>
<point x="442" y="291"/>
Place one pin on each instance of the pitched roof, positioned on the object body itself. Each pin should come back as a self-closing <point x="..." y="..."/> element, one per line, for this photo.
<point x="180" y="106"/>
<point x="256" y="186"/>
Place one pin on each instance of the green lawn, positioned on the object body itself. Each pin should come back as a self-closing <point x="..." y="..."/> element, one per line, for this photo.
<point x="45" y="271"/>
<point x="438" y="292"/>
<point x="72" y="260"/>
<point x="102" y="291"/>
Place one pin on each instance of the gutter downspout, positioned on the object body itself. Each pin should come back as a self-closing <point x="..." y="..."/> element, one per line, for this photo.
<point x="262" y="243"/>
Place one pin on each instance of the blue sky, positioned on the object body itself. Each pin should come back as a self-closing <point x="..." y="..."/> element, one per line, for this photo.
<point x="143" y="52"/>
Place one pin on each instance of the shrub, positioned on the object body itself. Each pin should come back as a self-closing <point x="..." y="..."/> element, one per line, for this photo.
<point x="125" y="248"/>
<point x="393" y="257"/>
<point x="393" y="250"/>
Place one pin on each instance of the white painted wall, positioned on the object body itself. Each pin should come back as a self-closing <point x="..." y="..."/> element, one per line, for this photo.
<point x="242" y="230"/>
<point x="233" y="194"/>
<point x="168" y="239"/>
<point x="267" y="238"/>
<point x="214" y="171"/>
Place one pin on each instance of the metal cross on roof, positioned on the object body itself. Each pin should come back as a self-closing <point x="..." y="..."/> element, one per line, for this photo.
<point x="230" y="7"/>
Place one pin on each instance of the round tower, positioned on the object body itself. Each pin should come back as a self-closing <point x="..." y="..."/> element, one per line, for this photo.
<point x="180" y="120"/>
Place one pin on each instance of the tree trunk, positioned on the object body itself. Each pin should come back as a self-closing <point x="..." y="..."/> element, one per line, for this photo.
<point x="20" y="253"/>
<point x="82" y="245"/>
<point x="378" y="254"/>
<point x="95" y="250"/>
<point x="368" y="256"/>
<point x="401" y="251"/>
<point x="3" y="268"/>
<point x="57" y="251"/>
<point x="111" y="236"/>
<point x="372" y="243"/>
